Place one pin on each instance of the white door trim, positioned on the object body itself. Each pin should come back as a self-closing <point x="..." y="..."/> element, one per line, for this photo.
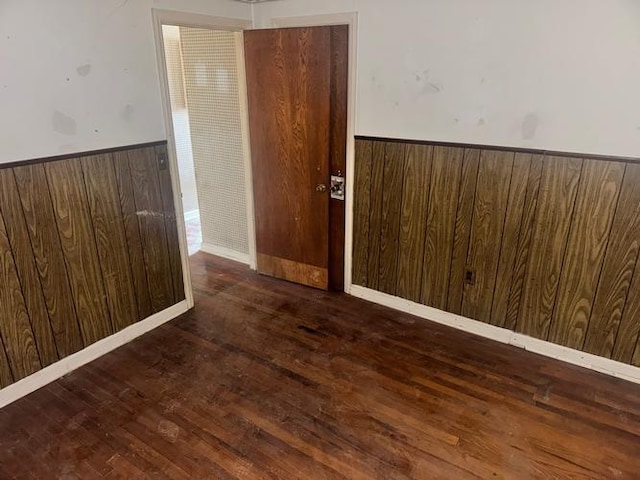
<point x="351" y="19"/>
<point x="183" y="19"/>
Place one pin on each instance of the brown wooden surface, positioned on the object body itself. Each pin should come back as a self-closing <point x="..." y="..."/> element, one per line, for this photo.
<point x="23" y="256"/>
<point x="266" y="379"/>
<point x="610" y="318"/>
<point x="464" y="216"/>
<point x="78" y="242"/>
<point x="415" y="195"/>
<point x="37" y="207"/>
<point x="132" y="232"/>
<point x="523" y="247"/>
<point x="15" y="328"/>
<point x="441" y="222"/>
<point x="296" y="272"/>
<point x="394" y="157"/>
<point x="557" y="193"/>
<point x="171" y="226"/>
<point x="593" y="214"/>
<point x="69" y="247"/>
<point x="338" y="150"/>
<point x="489" y="213"/>
<point x="545" y="246"/>
<point x="375" y="214"/>
<point x="510" y="235"/>
<point x="147" y="196"/>
<point x="289" y="99"/>
<point x="361" y="211"/>
<point x="111" y="242"/>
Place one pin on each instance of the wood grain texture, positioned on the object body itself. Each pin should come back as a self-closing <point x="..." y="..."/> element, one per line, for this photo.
<point x="511" y="233"/>
<point x="361" y="211"/>
<point x="593" y="214"/>
<point x="113" y="250"/>
<point x="464" y="216"/>
<point x="269" y="380"/>
<point x="295" y="272"/>
<point x="78" y="243"/>
<point x="441" y="213"/>
<point x="525" y="237"/>
<point x="288" y="86"/>
<point x="150" y="212"/>
<point x="338" y="150"/>
<point x="18" y="235"/>
<point x="171" y="226"/>
<point x="413" y="223"/>
<point x="394" y="157"/>
<point x="553" y="242"/>
<point x="45" y="241"/>
<point x="66" y="256"/>
<point x="6" y="377"/>
<point x="606" y="321"/>
<point x="132" y="232"/>
<point x="558" y="188"/>
<point x="489" y="212"/>
<point x="15" y="327"/>
<point x="375" y="214"/>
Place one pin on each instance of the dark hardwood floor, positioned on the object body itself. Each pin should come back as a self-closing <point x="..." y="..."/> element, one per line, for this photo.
<point x="266" y="379"/>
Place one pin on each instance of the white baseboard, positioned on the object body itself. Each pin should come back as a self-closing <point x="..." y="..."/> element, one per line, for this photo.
<point x="225" y="253"/>
<point x="56" y="370"/>
<point x="191" y="215"/>
<point x="548" y="349"/>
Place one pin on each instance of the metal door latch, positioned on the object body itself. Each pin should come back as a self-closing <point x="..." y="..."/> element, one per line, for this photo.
<point x="337" y="186"/>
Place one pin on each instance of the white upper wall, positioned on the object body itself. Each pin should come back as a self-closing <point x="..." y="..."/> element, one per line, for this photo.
<point x="79" y="75"/>
<point x="548" y="74"/>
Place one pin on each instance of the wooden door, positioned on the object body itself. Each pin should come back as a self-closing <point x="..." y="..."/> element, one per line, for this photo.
<point x="296" y="84"/>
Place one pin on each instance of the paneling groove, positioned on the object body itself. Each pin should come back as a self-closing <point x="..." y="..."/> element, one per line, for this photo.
<point x="543" y="245"/>
<point x="72" y="259"/>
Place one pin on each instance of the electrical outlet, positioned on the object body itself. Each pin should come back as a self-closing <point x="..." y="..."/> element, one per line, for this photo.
<point x="470" y="277"/>
<point x="163" y="162"/>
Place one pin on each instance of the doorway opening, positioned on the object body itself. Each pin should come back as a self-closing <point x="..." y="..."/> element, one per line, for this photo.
<point x="205" y="78"/>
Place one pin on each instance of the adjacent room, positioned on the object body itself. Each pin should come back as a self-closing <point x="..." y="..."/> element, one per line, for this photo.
<point x="339" y="239"/>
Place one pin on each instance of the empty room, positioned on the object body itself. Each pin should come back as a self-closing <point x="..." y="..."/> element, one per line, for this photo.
<point x="319" y="239"/>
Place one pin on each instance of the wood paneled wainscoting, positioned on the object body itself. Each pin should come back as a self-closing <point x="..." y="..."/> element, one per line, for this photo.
<point x="541" y="244"/>
<point x="88" y="246"/>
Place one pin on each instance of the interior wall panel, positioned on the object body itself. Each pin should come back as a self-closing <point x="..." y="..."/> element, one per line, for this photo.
<point x="546" y="245"/>
<point x="74" y="265"/>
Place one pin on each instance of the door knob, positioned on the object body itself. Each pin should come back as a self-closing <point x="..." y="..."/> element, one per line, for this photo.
<point x="321" y="188"/>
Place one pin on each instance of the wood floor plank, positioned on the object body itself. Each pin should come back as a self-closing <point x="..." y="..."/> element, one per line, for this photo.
<point x="150" y="213"/>
<point x="132" y="232"/>
<point x="413" y="222"/>
<point x="593" y="214"/>
<point x="171" y="225"/>
<point x="15" y="327"/>
<point x="558" y="188"/>
<point x="609" y="316"/>
<point x="11" y="209"/>
<point x="464" y="216"/>
<point x="43" y="233"/>
<point x="394" y="157"/>
<point x="490" y="209"/>
<point x="236" y="388"/>
<point x="375" y="215"/>
<point x="510" y="236"/>
<point x="441" y="218"/>
<point x="525" y="238"/>
<point x="78" y="243"/>
<point x="361" y="210"/>
<point x="108" y="227"/>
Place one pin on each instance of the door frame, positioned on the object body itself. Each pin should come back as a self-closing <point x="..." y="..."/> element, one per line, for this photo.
<point x="184" y="19"/>
<point x="351" y="19"/>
